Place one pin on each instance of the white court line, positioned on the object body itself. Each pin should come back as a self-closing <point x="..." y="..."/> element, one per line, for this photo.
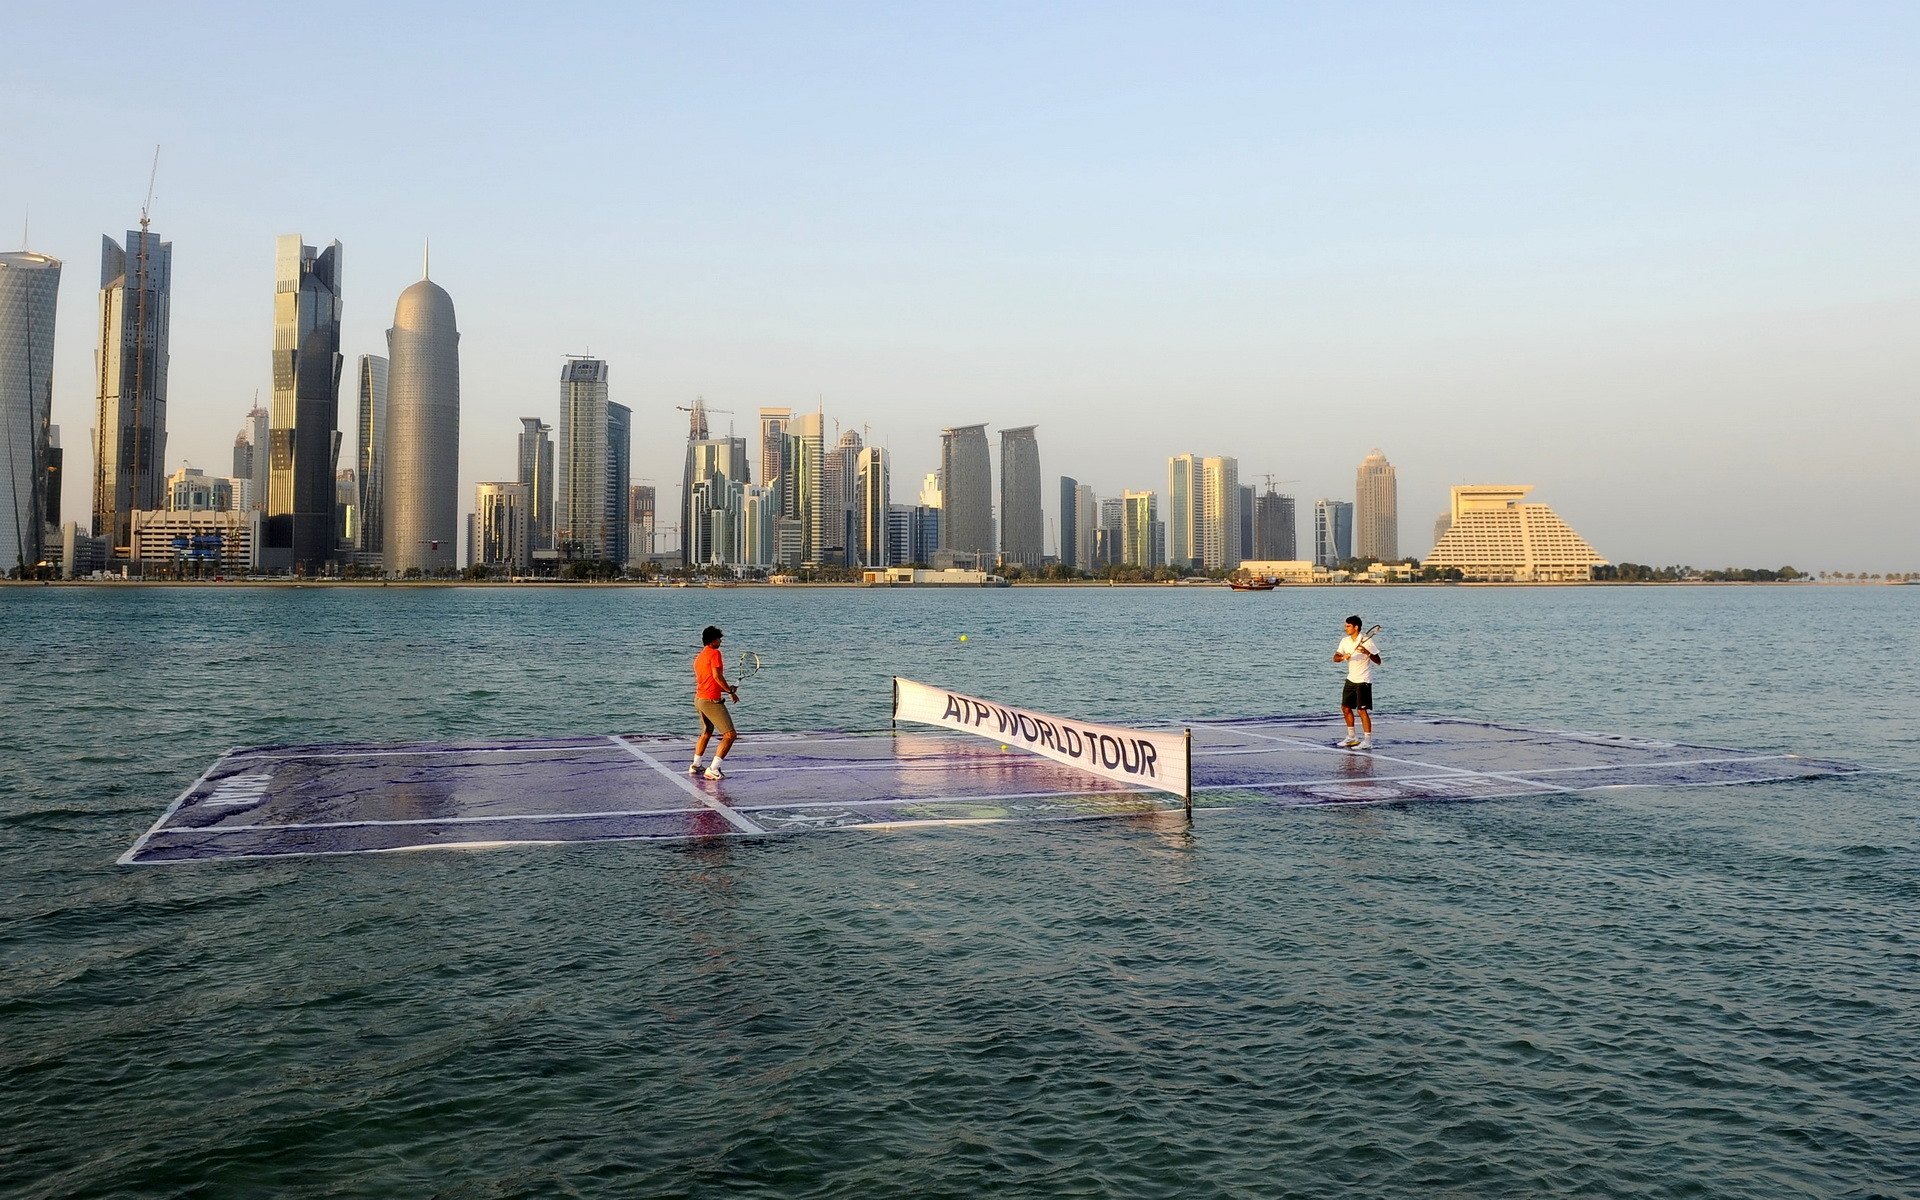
<point x="284" y="756"/>
<point x="126" y="860"/>
<point x="1665" y="762"/>
<point x="733" y="818"/>
<point x="1411" y="762"/>
<point x="373" y="823"/>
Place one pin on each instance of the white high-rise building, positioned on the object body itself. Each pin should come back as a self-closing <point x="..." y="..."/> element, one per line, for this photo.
<point x="1376" y="510"/>
<point x="1184" y="510"/>
<point x="580" y="477"/>
<point x="503" y="526"/>
<point x="1219" y="541"/>
<point x="1084" y="519"/>
<point x="1332" y="532"/>
<point x="1022" y="528"/>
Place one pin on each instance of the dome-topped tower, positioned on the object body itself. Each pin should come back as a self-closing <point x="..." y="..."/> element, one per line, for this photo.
<point x="421" y="473"/>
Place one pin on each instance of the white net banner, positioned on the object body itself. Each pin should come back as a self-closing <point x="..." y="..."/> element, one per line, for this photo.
<point x="1135" y="756"/>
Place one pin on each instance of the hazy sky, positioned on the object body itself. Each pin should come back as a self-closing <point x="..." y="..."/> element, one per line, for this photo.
<point x="1660" y="260"/>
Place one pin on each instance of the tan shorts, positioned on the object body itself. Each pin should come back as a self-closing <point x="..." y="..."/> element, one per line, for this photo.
<point x="713" y="716"/>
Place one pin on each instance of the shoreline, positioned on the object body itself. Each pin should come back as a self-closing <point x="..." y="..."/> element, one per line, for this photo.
<point x="1028" y="584"/>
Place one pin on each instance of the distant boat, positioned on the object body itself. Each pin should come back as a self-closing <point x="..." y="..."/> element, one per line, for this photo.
<point x="1254" y="585"/>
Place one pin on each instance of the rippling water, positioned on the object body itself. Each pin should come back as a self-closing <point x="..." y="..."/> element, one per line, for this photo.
<point x="1709" y="992"/>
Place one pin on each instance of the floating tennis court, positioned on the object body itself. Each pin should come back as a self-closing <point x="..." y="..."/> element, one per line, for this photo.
<point x="274" y="801"/>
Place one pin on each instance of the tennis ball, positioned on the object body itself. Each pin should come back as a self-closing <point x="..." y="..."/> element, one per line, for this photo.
<point x="963" y="637"/>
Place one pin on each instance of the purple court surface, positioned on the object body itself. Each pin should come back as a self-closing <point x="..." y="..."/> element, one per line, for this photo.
<point x="275" y="801"/>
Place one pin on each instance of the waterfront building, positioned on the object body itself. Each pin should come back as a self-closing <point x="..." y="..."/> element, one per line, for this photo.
<point x="130" y="361"/>
<point x="536" y="475"/>
<point x="29" y="289"/>
<point x="1246" y="520"/>
<point x="1140" y="530"/>
<point x="81" y="554"/>
<point x="1185" y="510"/>
<point x="304" y="443"/>
<point x="258" y="432"/>
<point x="759" y="524"/>
<point x="840" y="488"/>
<point x="640" y="521"/>
<point x="696" y="432"/>
<point x="966" y="492"/>
<point x="1441" y="524"/>
<point x="789" y="541"/>
<point x="1084" y="520"/>
<point x="197" y="540"/>
<point x="716" y="507"/>
<point x="1376" y="510"/>
<point x="242" y="456"/>
<point x="805" y="501"/>
<point x="371" y="386"/>
<point x="1022" y="528"/>
<point x="1332" y="532"/>
<point x="1106" y="542"/>
<point x="346" y="512"/>
<point x="1496" y="537"/>
<point x="1273" y="527"/>
<point x="502" y="530"/>
<point x="619" y="480"/>
<point x="192" y="490"/>
<point x="243" y="495"/>
<point x="875" y="503"/>
<point x="420" y="474"/>
<point x="1069" y="526"/>
<point x="1218" y="542"/>
<point x="580" y="482"/>
<point x="773" y="443"/>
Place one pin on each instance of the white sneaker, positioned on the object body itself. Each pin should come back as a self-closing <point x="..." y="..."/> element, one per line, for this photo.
<point x="1348" y="743"/>
<point x="714" y="772"/>
<point x="693" y="768"/>
<point x="1366" y="743"/>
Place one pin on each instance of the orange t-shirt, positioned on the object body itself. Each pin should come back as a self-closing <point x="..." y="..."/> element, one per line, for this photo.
<point x="706" y="674"/>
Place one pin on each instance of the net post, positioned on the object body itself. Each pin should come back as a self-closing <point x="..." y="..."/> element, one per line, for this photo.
<point x="1189" y="796"/>
<point x="893" y="715"/>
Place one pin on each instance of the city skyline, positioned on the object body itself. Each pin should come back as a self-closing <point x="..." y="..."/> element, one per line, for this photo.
<point x="1509" y="263"/>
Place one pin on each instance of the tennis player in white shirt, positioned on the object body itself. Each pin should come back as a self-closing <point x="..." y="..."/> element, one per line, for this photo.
<point x="1357" y="696"/>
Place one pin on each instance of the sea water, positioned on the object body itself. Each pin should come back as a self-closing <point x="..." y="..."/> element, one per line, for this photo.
<point x="1658" y="992"/>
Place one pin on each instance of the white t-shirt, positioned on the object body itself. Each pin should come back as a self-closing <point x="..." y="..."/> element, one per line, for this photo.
<point x="1359" y="666"/>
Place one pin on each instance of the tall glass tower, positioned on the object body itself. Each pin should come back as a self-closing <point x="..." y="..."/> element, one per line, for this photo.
<point x="304" y="441"/>
<point x="368" y="539"/>
<point x="29" y="286"/>
<point x="536" y="472"/>
<point x="580" y="483"/>
<point x="420" y="479"/>
<point x="873" y="506"/>
<point x="130" y="430"/>
<point x="619" y="478"/>
<point x="966" y="481"/>
<point x="1376" y="510"/>
<point x="1022" y="528"/>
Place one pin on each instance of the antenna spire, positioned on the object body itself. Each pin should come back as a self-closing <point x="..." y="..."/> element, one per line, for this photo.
<point x="426" y="258"/>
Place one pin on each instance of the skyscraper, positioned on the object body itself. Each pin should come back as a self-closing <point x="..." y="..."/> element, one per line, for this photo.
<point x="1140" y="530"/>
<point x="1273" y="528"/>
<point x="640" y="518"/>
<point x="130" y="431"/>
<point x="1083" y="521"/>
<point x="1246" y="520"/>
<point x="1495" y="535"/>
<point x="372" y="387"/>
<point x="1376" y="510"/>
<point x="502" y="527"/>
<point x="875" y="502"/>
<point x="304" y="441"/>
<point x="1022" y="528"/>
<point x="966" y="492"/>
<point x="242" y="456"/>
<point x="29" y="287"/>
<point x="696" y="432"/>
<point x="619" y="479"/>
<point x="1069" y="526"/>
<point x="258" y="432"/>
<point x="580" y="483"/>
<point x="420" y="477"/>
<point x="805" y="502"/>
<point x="1185" y="510"/>
<point x="536" y="472"/>
<point x="1219" y="540"/>
<point x="840" y="484"/>
<point x="773" y="436"/>
<point x="1332" y="532"/>
<point x="1106" y="545"/>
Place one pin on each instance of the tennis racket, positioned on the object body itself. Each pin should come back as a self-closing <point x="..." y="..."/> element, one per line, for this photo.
<point x="1366" y="637"/>
<point x="745" y="665"/>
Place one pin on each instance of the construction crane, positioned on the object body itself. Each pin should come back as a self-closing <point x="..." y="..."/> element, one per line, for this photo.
<point x="1271" y="481"/>
<point x="697" y="423"/>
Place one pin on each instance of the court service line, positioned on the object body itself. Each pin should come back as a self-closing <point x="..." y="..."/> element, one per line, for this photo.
<point x="733" y="818"/>
<point x="373" y="822"/>
<point x="126" y="860"/>
<point x="1411" y="762"/>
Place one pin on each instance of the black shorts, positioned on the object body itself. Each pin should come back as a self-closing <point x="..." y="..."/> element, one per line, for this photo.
<point x="1357" y="695"/>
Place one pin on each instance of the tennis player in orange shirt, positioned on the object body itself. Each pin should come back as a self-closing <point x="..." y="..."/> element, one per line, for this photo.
<point x="709" y="686"/>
